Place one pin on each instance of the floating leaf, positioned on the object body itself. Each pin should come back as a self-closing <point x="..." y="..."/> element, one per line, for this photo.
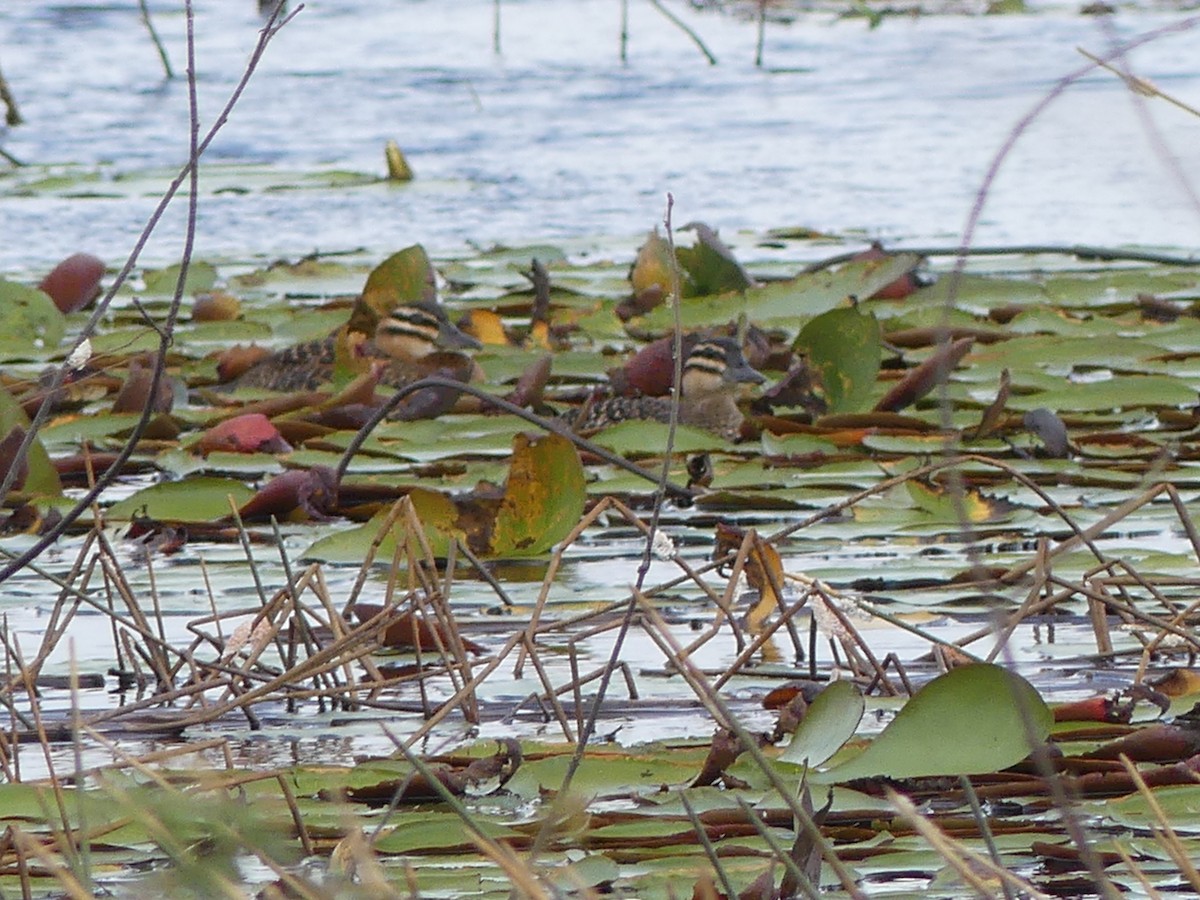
<point x="30" y="323"/>
<point x="968" y="721"/>
<point x="843" y="347"/>
<point x="652" y="267"/>
<point x="830" y="722"/>
<point x="190" y="500"/>
<point x="787" y="303"/>
<point x="39" y="477"/>
<point x="397" y="165"/>
<point x="74" y="282"/>
<point x="201" y="276"/>
<point x="709" y="265"/>
<point x="925" y="377"/>
<point x="543" y="498"/>
<point x="406" y="276"/>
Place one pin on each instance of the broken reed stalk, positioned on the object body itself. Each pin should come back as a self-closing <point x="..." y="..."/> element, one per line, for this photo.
<point x="664" y="474"/>
<point x="12" y="113"/>
<point x="157" y="41"/>
<point x="686" y="29"/>
<point x="966" y="863"/>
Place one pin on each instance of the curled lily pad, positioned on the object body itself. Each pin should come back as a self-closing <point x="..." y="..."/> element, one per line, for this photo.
<point x="830" y="722"/>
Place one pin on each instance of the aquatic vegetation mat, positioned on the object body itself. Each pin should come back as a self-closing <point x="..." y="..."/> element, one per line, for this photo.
<point x="929" y="612"/>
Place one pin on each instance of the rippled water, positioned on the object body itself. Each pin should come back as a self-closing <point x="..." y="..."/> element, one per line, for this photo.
<point x="887" y="130"/>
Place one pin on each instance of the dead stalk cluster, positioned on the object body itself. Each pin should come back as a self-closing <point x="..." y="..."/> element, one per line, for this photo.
<point x="302" y="650"/>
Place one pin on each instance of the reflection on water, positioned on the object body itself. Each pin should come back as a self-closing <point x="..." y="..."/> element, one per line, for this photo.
<point x="889" y="130"/>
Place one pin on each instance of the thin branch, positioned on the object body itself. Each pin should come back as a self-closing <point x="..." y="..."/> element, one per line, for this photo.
<point x="110" y="474"/>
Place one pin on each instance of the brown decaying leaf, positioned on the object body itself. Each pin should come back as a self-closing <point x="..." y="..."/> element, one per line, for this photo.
<point x="1094" y="709"/>
<point x="532" y="383"/>
<point x="763" y="570"/>
<point x="903" y="286"/>
<point x="216" y="307"/>
<point x="1154" y="743"/>
<point x="991" y="417"/>
<point x="726" y="747"/>
<point x="799" y="387"/>
<point x="134" y="395"/>
<point x="236" y="360"/>
<point x="310" y="492"/>
<point x="540" y="279"/>
<point x="74" y="282"/>
<point x="458" y="781"/>
<point x="806" y="852"/>
<point x="925" y="377"/>
<point x="9" y="445"/>
<point x="409" y="630"/>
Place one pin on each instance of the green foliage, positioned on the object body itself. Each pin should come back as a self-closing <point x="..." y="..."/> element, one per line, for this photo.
<point x="843" y="348"/>
<point x="30" y="323"/>
<point x="197" y="499"/>
<point x="201" y="276"/>
<point x="41" y="479"/>
<point x="831" y="720"/>
<point x="970" y="720"/>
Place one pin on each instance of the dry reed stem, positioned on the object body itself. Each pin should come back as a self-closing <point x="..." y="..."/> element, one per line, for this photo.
<point x="1165" y="835"/>
<point x="965" y="861"/>
<point x="723" y="715"/>
<point x="27" y="845"/>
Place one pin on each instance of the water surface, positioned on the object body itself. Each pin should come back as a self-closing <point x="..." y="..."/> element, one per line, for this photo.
<point x="886" y="131"/>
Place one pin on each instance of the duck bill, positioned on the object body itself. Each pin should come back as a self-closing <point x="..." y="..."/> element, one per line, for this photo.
<point x="452" y="338"/>
<point x="743" y="374"/>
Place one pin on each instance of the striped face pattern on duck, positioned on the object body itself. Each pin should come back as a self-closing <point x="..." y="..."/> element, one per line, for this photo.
<point x="714" y="365"/>
<point x="410" y="333"/>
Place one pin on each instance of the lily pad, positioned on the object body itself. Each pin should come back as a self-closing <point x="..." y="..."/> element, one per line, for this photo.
<point x="843" y="347"/>
<point x="828" y="724"/>
<point x="30" y="323"/>
<point x="969" y="721"/>
<point x="189" y="500"/>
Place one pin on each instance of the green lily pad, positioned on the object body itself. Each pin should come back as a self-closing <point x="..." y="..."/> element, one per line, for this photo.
<point x="968" y="721"/>
<point x="788" y="303"/>
<point x="190" y="500"/>
<point x="830" y="721"/>
<point x="201" y="276"/>
<point x="30" y="323"/>
<point x="543" y="499"/>
<point x="843" y="347"/>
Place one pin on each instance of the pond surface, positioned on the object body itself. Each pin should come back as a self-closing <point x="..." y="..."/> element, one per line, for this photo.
<point x="886" y="132"/>
<point x="861" y="132"/>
